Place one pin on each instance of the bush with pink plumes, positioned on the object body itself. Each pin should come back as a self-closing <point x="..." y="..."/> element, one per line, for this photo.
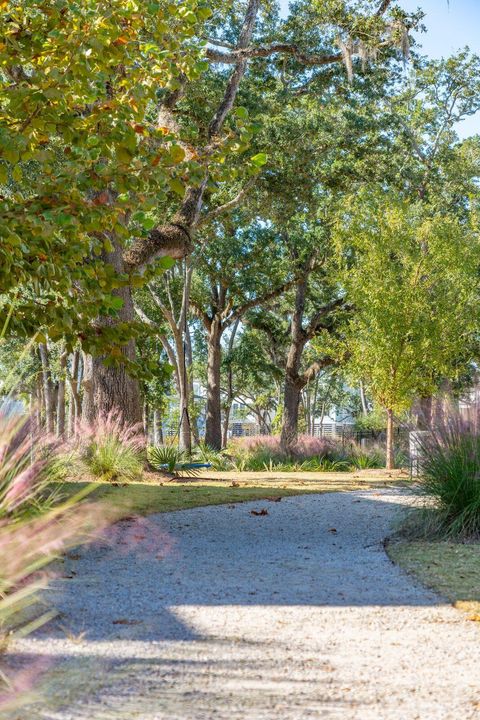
<point x="36" y="525"/>
<point x="107" y="451"/>
<point x="264" y="452"/>
<point x="306" y="446"/>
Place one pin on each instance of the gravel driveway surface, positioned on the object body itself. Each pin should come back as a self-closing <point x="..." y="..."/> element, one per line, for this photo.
<point x="220" y="614"/>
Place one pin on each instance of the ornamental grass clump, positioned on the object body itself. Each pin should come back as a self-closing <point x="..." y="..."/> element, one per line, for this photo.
<point x="450" y="473"/>
<point x="107" y="450"/>
<point x="37" y="524"/>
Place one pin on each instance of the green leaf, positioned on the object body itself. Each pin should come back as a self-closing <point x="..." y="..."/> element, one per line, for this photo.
<point x="259" y="160"/>
<point x="242" y="113"/>
<point x="177" y="186"/>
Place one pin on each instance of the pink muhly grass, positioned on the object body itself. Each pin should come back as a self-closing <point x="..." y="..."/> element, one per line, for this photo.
<point x="36" y="526"/>
<point x="305" y="448"/>
<point x="108" y="449"/>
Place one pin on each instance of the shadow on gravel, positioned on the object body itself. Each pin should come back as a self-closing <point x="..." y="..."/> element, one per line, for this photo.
<point x="323" y="550"/>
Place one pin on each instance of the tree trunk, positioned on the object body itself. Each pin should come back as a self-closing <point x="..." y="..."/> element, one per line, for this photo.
<point x="363" y="399"/>
<point x="226" y="422"/>
<point x="113" y="389"/>
<point x="390" y="463"/>
<point x="157" y="428"/>
<point x="230" y="393"/>
<point x="61" y="395"/>
<point x="48" y="394"/>
<point x="145" y="419"/>
<point x="213" y="433"/>
<point x="191" y="394"/>
<point x="74" y="381"/>
<point x="38" y="404"/>
<point x="291" y="403"/>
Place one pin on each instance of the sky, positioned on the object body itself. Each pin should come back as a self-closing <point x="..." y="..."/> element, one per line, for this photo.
<point x="450" y="25"/>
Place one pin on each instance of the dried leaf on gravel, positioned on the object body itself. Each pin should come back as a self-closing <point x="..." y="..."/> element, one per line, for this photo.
<point x="126" y="621"/>
<point x="261" y="512"/>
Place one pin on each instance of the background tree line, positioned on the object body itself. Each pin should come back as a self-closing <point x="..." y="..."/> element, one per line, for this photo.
<point x="207" y="191"/>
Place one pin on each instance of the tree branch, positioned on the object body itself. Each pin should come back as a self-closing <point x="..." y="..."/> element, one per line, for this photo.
<point x="317" y="318"/>
<point x="230" y="205"/>
<point x="239" y="311"/>
<point x="241" y="65"/>
<point x="262" y="51"/>
<point x="311" y="372"/>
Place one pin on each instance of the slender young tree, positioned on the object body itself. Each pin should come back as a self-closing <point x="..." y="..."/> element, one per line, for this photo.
<point x="413" y="280"/>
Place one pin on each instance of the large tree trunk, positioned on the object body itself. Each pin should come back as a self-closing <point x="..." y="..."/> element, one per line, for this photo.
<point x="291" y="403"/>
<point x="293" y="384"/>
<point x="390" y="463"/>
<point x="113" y="388"/>
<point x="213" y="434"/>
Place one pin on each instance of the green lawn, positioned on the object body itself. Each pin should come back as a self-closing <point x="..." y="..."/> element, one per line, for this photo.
<point x="152" y="496"/>
<point x="452" y="569"/>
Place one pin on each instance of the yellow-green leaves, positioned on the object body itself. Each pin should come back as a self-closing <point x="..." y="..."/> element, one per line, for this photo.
<point x="411" y="277"/>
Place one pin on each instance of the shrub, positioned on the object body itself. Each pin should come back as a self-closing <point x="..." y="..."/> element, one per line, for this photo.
<point x="364" y="460"/>
<point x="450" y="470"/>
<point x="107" y="450"/>
<point x="164" y="457"/>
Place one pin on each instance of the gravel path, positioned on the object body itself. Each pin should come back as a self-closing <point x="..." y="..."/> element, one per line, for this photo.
<point x="219" y="614"/>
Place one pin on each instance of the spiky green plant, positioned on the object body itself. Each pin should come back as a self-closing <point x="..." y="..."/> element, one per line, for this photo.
<point x="170" y="459"/>
<point x="450" y="473"/>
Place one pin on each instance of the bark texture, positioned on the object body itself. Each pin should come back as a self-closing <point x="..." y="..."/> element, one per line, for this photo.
<point x="113" y="389"/>
<point x="390" y="462"/>
<point x="213" y="432"/>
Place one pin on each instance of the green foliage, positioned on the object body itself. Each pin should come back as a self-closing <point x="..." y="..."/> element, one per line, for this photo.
<point x="164" y="457"/>
<point x="450" y="472"/>
<point x="108" y="450"/>
<point x="111" y="460"/>
<point x="412" y="279"/>
<point x="168" y="458"/>
<point x="312" y="455"/>
<point x="79" y="153"/>
<point x="367" y="461"/>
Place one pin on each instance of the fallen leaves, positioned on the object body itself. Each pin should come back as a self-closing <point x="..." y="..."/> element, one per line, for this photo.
<point x="259" y="513"/>
<point x="126" y="621"/>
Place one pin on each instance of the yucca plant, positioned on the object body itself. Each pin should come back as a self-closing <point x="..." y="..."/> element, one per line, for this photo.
<point x="216" y="458"/>
<point x="164" y="457"/>
<point x="172" y="460"/>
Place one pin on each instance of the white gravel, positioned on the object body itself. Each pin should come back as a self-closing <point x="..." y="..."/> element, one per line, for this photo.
<point x="293" y="615"/>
